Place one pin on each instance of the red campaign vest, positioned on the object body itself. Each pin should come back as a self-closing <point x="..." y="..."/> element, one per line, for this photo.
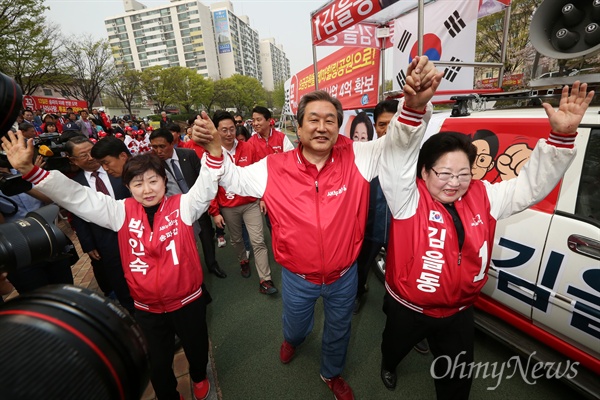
<point x="244" y="156"/>
<point x="161" y="266"/>
<point x="263" y="148"/>
<point x="316" y="234"/>
<point x="423" y="271"/>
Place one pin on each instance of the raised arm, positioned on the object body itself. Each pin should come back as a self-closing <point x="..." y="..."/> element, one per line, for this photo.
<point x="549" y="160"/>
<point x="397" y="172"/>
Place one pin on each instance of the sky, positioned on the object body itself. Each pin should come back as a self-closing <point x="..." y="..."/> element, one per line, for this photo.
<point x="288" y="21"/>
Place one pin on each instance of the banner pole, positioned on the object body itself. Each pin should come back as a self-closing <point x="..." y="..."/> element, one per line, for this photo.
<point x="314" y="54"/>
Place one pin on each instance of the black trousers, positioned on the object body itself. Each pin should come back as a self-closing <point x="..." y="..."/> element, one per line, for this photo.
<point x="189" y="323"/>
<point x="449" y="338"/>
<point x="366" y="257"/>
<point x="207" y="235"/>
<point x="108" y="272"/>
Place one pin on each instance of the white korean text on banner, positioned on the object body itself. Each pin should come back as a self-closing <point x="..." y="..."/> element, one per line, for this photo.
<point x="350" y="74"/>
<point x="449" y="35"/>
<point x="359" y="35"/>
<point x="340" y="15"/>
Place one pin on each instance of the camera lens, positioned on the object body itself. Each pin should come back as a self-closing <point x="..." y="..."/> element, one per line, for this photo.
<point x="11" y="99"/>
<point x="31" y="239"/>
<point x="65" y="342"/>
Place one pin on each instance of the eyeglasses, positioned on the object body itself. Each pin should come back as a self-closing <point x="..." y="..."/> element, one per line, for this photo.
<point x="239" y="121"/>
<point x="447" y="176"/>
<point x="227" y="130"/>
<point x="483" y="160"/>
<point x="83" y="156"/>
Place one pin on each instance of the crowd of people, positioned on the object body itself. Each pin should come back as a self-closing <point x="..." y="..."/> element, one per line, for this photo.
<point x="140" y="200"/>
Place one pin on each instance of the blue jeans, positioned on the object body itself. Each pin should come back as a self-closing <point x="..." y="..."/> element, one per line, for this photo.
<point x="299" y="297"/>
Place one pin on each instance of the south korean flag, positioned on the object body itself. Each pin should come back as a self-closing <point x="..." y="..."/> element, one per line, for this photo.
<point x="449" y="35"/>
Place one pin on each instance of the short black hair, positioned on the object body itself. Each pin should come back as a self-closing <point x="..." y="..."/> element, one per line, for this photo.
<point x="162" y="133"/>
<point x="141" y="163"/>
<point x="74" y="141"/>
<point x="261" y="110"/>
<point x="491" y="139"/>
<point x="25" y="126"/>
<point x="109" y="146"/>
<point x="221" y="115"/>
<point x="441" y="143"/>
<point x="173" y="127"/>
<point x="385" y="106"/>
<point x="241" y="130"/>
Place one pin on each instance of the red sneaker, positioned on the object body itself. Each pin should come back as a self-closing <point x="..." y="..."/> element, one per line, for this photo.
<point x="340" y="388"/>
<point x="201" y="389"/>
<point x="286" y="353"/>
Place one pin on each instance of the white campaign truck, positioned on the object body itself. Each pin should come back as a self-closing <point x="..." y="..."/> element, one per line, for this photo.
<point x="542" y="297"/>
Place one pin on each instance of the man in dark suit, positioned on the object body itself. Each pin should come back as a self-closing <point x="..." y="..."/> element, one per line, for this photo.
<point x="101" y="244"/>
<point x="164" y="120"/>
<point x="183" y="167"/>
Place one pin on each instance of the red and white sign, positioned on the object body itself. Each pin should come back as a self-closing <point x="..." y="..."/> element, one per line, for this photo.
<point x="350" y="74"/>
<point x="339" y="16"/>
<point x="52" y="104"/>
<point x="359" y="35"/>
<point x="490" y="83"/>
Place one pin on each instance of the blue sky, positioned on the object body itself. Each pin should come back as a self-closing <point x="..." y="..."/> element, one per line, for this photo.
<point x="287" y="21"/>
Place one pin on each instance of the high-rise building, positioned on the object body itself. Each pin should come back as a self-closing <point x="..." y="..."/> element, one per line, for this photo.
<point x="215" y="42"/>
<point x="238" y="43"/>
<point x="274" y="63"/>
<point x="177" y="34"/>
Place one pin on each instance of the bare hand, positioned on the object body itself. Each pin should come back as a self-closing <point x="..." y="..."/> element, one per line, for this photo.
<point x="263" y="207"/>
<point x="509" y="163"/>
<point x="39" y="161"/>
<point x="422" y="82"/>
<point x="571" y="108"/>
<point x="219" y="221"/>
<point x="94" y="254"/>
<point x="18" y="151"/>
<point x="206" y="135"/>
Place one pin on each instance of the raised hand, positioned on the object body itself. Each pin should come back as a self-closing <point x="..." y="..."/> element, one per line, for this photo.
<point x="422" y="81"/>
<point x="18" y="151"/>
<point x="571" y="109"/>
<point x="206" y="135"/>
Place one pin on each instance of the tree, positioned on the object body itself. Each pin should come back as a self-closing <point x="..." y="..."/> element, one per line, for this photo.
<point x="239" y="92"/>
<point x="126" y="86"/>
<point x="88" y="63"/>
<point x="156" y="85"/>
<point x="279" y="95"/>
<point x="29" y="48"/>
<point x="490" y="35"/>
<point x="189" y="89"/>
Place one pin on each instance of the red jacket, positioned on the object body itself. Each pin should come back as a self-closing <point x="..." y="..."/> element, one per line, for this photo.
<point x="425" y="269"/>
<point x="154" y="259"/>
<point x="275" y="143"/>
<point x="244" y="156"/>
<point x="318" y="217"/>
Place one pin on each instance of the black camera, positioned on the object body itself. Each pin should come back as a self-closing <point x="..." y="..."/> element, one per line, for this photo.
<point x="52" y="147"/>
<point x="61" y="341"/>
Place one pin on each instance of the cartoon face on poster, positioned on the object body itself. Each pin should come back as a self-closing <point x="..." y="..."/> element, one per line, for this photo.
<point x="503" y="150"/>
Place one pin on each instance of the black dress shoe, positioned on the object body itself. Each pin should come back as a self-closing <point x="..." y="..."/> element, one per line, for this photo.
<point x="218" y="272"/>
<point x="422" y="347"/>
<point x="389" y="378"/>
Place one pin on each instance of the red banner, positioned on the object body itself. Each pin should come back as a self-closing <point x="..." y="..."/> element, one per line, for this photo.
<point x="340" y="15"/>
<point x="360" y="35"/>
<point x="351" y="75"/>
<point x="52" y="104"/>
<point x="489" y="83"/>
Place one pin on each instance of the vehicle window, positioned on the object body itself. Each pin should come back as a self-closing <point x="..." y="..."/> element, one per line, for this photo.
<point x="588" y="198"/>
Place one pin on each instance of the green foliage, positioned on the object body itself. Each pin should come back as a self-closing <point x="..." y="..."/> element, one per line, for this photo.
<point x="28" y="46"/>
<point x="125" y="85"/>
<point x="239" y="92"/>
<point x="279" y="95"/>
<point x="490" y="35"/>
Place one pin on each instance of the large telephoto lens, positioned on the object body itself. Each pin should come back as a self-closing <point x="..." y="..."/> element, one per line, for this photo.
<point x="11" y="99"/>
<point x="65" y="342"/>
<point x="31" y="239"/>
